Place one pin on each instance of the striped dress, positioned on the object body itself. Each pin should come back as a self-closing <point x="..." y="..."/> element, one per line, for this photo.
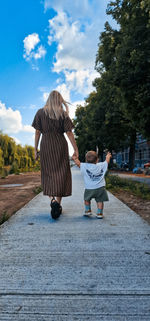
<point x="54" y="156"/>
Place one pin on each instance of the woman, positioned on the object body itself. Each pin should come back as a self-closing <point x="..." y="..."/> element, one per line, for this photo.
<point x="52" y="121"/>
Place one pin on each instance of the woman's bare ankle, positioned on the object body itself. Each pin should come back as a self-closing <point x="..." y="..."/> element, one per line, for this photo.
<point x="58" y="199"/>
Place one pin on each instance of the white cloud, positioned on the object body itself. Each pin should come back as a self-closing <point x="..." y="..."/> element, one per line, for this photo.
<point x="10" y="120"/>
<point x="78" y="9"/>
<point x="41" y="52"/>
<point x="27" y="139"/>
<point x="76" y="49"/>
<point x="27" y="128"/>
<point x="30" y="42"/>
<point x="73" y="107"/>
<point x="64" y="91"/>
<point x="80" y="80"/>
<point x="75" y="7"/>
<point x="75" y="29"/>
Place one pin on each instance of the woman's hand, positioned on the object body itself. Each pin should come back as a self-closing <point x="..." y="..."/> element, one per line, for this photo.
<point x="36" y="154"/>
<point x="76" y="159"/>
<point x="74" y="156"/>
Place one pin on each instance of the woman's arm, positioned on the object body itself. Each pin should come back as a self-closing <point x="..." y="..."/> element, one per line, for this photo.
<point x="37" y="137"/>
<point x="73" y="142"/>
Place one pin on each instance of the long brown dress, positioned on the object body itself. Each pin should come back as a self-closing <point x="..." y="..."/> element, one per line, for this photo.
<point x="54" y="156"/>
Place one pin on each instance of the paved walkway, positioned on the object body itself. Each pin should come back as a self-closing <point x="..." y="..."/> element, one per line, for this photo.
<point x="76" y="268"/>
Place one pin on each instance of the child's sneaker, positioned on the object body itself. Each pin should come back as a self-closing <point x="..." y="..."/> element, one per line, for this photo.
<point x="88" y="213"/>
<point x="99" y="215"/>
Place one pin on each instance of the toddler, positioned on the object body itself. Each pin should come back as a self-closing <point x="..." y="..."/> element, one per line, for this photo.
<point x="93" y="174"/>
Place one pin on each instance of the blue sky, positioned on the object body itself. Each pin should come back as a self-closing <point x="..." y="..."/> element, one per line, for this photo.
<point x="46" y="45"/>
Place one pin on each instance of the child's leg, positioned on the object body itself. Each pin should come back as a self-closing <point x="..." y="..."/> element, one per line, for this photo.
<point x="87" y="205"/>
<point x="100" y="206"/>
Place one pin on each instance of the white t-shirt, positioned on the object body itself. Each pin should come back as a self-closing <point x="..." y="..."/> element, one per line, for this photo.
<point x="93" y="174"/>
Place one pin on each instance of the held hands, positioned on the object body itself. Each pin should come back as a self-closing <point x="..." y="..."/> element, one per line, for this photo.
<point x="74" y="157"/>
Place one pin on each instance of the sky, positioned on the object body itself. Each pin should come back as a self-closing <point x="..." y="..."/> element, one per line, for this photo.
<point x="46" y="45"/>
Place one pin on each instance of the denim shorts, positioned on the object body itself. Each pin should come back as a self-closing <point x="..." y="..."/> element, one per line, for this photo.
<point x="100" y="194"/>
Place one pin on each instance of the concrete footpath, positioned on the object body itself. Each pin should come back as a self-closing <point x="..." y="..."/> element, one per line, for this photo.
<point x="76" y="268"/>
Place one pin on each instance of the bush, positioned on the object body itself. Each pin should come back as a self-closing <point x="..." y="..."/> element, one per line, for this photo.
<point x="37" y="190"/>
<point x="3" y="173"/>
<point x="37" y="167"/>
<point x="115" y="183"/>
<point x="3" y="217"/>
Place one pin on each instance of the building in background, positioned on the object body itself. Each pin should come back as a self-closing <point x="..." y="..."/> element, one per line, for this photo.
<point x="142" y="153"/>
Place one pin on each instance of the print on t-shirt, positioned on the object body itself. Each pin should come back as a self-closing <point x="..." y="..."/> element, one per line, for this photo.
<point x="93" y="174"/>
<point x="94" y="177"/>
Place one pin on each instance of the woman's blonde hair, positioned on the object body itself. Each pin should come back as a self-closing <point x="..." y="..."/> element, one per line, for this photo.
<point x="54" y="106"/>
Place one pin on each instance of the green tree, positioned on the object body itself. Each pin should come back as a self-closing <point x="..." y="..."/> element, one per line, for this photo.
<point x="16" y="155"/>
<point x="4" y="139"/>
<point x="101" y="125"/>
<point x="11" y="148"/>
<point x="30" y="151"/>
<point x="123" y="57"/>
<point x="1" y="159"/>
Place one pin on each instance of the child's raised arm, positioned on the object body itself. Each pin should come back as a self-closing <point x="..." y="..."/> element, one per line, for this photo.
<point x="108" y="157"/>
<point x="76" y="160"/>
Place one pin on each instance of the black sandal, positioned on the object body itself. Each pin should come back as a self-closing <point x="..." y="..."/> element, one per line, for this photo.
<point x="56" y="209"/>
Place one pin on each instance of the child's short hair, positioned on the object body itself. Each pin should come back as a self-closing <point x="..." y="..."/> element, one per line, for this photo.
<point x="91" y="157"/>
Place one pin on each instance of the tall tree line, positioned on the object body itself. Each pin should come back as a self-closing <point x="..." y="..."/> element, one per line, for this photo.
<point x="14" y="156"/>
<point x="119" y="107"/>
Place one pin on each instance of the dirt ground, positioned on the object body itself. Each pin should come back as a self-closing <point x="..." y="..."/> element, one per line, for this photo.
<point x="138" y="205"/>
<point x="13" y="198"/>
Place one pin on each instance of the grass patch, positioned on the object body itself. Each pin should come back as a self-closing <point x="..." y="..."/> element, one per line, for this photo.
<point x="37" y="190"/>
<point x="115" y="183"/>
<point x="3" y="217"/>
